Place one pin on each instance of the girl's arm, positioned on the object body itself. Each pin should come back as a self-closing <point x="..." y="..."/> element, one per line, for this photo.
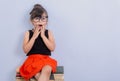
<point x="49" y="42"/>
<point x="28" y="44"/>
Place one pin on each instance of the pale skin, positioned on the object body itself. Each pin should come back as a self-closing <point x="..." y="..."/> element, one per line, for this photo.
<point x="49" y="42"/>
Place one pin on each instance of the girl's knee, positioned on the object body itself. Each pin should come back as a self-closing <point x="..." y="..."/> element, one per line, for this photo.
<point x="47" y="69"/>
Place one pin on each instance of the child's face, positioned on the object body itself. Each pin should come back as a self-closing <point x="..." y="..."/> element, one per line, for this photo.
<point x="40" y="21"/>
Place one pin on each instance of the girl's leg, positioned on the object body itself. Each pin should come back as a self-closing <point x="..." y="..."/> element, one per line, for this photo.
<point x="45" y="73"/>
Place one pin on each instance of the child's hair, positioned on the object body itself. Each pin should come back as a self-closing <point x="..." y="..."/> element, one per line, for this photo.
<point x="37" y="11"/>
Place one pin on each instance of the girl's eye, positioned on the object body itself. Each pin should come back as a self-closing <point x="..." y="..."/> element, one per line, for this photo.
<point x="37" y="18"/>
<point x="43" y="18"/>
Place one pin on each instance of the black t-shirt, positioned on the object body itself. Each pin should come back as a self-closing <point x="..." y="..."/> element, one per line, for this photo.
<point x="39" y="46"/>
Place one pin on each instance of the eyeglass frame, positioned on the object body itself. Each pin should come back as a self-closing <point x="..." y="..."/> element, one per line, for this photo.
<point x="41" y="18"/>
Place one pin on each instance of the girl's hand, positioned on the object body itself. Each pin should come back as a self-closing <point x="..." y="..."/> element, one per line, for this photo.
<point x="42" y="31"/>
<point x="36" y="32"/>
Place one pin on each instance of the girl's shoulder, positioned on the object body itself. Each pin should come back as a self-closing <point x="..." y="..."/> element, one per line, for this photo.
<point x="27" y="33"/>
<point x="49" y="31"/>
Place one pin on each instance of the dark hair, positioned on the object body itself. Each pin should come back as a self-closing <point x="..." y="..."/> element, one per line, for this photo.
<point x="37" y="11"/>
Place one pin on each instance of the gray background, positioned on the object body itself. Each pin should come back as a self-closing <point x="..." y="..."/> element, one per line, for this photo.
<point x="87" y="34"/>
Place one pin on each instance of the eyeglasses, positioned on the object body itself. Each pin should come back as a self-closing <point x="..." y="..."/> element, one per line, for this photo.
<point x="43" y="19"/>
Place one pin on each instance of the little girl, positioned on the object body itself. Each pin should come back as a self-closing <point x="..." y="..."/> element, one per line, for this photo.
<point x="38" y="44"/>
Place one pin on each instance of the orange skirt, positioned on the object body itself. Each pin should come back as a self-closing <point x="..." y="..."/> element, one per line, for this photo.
<point x="34" y="64"/>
